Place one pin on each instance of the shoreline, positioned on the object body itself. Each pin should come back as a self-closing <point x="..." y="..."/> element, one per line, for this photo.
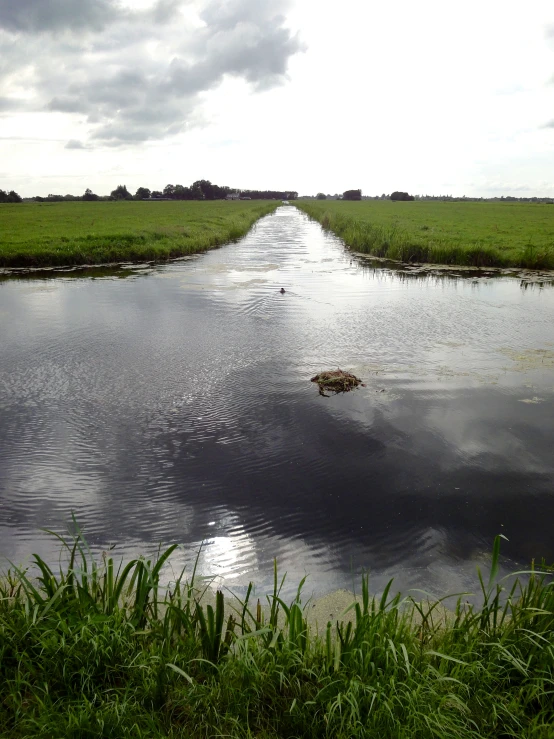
<point x="408" y="269"/>
<point x="462" y="271"/>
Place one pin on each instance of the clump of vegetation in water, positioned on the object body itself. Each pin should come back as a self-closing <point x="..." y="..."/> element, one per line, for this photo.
<point x="101" y="650"/>
<point x="336" y="381"/>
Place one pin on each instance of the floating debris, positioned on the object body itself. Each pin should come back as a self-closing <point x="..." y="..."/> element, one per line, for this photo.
<point x="336" y="381"/>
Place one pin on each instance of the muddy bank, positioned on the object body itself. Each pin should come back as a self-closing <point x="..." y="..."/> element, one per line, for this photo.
<point x="529" y="276"/>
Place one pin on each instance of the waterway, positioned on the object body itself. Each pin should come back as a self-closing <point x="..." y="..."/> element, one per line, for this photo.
<point x="173" y="403"/>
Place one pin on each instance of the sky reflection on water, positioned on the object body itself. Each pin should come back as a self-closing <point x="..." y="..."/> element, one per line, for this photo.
<point x="175" y="405"/>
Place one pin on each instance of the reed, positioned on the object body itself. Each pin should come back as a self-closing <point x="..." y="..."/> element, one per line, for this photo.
<point x="99" y="649"/>
<point x="470" y="234"/>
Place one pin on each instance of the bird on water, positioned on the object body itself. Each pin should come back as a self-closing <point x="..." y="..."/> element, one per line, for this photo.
<point x="282" y="291"/>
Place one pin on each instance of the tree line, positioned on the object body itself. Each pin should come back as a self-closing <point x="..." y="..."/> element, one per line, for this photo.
<point x="357" y="195"/>
<point x="10" y="197"/>
<point x="401" y="195"/>
<point x="204" y="190"/>
<point x="199" y="190"/>
<point x="346" y="195"/>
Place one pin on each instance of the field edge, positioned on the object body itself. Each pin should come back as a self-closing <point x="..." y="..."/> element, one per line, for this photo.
<point x="157" y="244"/>
<point x="389" y="242"/>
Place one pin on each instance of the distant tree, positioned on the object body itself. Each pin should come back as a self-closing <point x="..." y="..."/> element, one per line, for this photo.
<point x="206" y="187"/>
<point x="398" y="195"/>
<point x="143" y="193"/>
<point x="10" y="197"/>
<point x="352" y="195"/>
<point x="89" y="195"/>
<point x="269" y="194"/>
<point x="221" y="192"/>
<point x="121" y="193"/>
<point x="201" y="190"/>
<point x="321" y="196"/>
<point x="196" y="192"/>
<point x="182" y="193"/>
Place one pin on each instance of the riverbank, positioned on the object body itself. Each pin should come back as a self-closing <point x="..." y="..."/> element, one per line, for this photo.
<point x="77" y="233"/>
<point x="104" y="651"/>
<point x="461" y="233"/>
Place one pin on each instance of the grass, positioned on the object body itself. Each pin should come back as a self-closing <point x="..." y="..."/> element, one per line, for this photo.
<point x="74" y="233"/>
<point x="95" y="650"/>
<point x="464" y="233"/>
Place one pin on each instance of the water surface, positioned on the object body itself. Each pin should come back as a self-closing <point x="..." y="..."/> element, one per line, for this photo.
<point x="175" y="406"/>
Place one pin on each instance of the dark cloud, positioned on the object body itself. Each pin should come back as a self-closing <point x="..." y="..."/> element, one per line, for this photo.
<point x="165" y="11"/>
<point x="39" y="16"/>
<point x="136" y="76"/>
<point x="67" y="105"/>
<point x="74" y="144"/>
<point x="12" y="104"/>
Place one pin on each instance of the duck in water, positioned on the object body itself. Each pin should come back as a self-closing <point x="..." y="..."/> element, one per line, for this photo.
<point x="282" y="291"/>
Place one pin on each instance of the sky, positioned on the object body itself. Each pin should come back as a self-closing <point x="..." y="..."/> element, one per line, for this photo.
<point x="306" y="95"/>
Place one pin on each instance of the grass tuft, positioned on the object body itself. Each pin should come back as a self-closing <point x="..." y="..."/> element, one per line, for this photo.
<point x="99" y="649"/>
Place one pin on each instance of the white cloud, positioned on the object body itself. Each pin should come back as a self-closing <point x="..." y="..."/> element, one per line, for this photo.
<point x="109" y="75"/>
<point x="422" y="97"/>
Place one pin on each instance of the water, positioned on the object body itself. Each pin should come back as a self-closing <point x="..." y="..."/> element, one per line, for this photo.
<point x="175" y="405"/>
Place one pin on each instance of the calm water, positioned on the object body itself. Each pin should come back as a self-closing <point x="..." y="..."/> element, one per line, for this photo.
<point x="175" y="406"/>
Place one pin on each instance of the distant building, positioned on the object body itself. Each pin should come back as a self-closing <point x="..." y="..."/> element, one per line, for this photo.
<point x="233" y="196"/>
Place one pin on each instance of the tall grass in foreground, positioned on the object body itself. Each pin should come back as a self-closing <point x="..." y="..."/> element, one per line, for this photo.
<point x="95" y="650"/>
<point x="382" y="235"/>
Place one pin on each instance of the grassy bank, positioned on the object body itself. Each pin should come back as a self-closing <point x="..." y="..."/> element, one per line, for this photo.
<point x="72" y="233"/>
<point x="465" y="233"/>
<point x="96" y="651"/>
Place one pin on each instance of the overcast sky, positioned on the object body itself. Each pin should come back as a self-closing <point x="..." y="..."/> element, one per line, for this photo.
<point x="312" y="95"/>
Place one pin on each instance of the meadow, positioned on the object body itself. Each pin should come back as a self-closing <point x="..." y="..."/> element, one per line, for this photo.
<point x="99" y="650"/>
<point x="482" y="234"/>
<point x="74" y="233"/>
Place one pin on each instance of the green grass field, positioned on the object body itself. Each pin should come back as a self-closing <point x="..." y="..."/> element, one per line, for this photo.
<point x="465" y="233"/>
<point x="100" y="651"/>
<point x="56" y="234"/>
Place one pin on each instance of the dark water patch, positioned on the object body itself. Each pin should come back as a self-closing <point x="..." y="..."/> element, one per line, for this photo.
<point x="178" y="407"/>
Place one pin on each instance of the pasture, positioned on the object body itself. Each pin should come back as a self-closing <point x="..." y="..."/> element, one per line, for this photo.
<point x="73" y="233"/>
<point x="481" y="234"/>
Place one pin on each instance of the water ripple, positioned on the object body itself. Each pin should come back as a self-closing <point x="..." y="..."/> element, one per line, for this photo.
<point x="177" y="406"/>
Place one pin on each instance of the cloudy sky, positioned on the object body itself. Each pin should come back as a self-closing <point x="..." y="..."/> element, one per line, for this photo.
<point x="311" y="95"/>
